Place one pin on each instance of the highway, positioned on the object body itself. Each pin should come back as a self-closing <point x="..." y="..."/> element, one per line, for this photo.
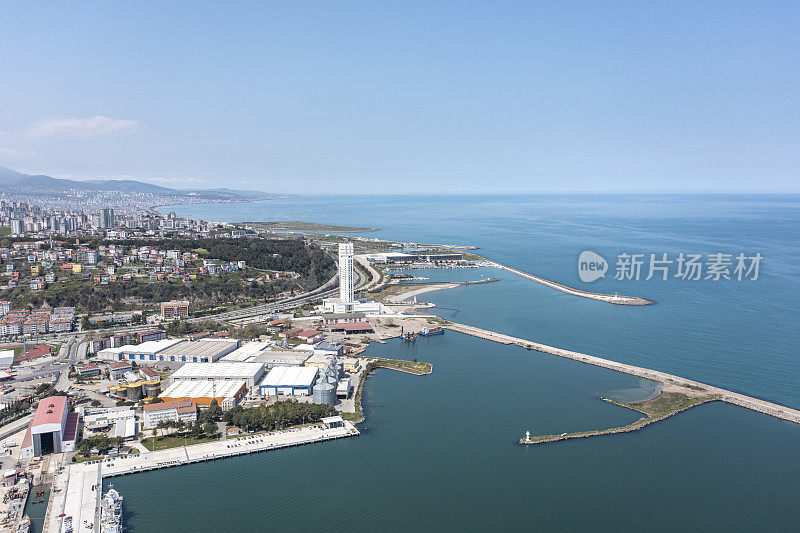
<point x="262" y="313"/>
<point x="376" y="276"/>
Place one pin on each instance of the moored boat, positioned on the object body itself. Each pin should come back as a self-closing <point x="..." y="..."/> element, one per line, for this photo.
<point x="111" y="512"/>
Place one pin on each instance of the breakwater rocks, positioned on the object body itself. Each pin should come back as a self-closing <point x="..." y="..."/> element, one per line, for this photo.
<point x="635" y="426"/>
<point x="734" y="398"/>
<point x="475" y="282"/>
<point x="615" y="299"/>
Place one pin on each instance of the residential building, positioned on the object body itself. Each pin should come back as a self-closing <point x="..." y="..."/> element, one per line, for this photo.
<point x="174" y="309"/>
<point x="177" y="410"/>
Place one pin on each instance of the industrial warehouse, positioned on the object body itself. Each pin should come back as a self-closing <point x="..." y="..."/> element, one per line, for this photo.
<point x="250" y="373"/>
<point x="145" y="351"/>
<point x="199" y="351"/>
<point x="288" y="381"/>
<point x="227" y="394"/>
<point x="171" y="350"/>
<point x="268" y="353"/>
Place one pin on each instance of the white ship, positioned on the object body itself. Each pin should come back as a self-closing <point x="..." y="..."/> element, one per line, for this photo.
<point x="111" y="512"/>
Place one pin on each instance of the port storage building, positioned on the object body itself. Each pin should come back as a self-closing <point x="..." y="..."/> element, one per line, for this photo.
<point x="268" y="353"/>
<point x="248" y="352"/>
<point x="199" y="351"/>
<point x="354" y="328"/>
<point x="250" y="373"/>
<point x="147" y="351"/>
<point x="288" y="381"/>
<point x="203" y="393"/>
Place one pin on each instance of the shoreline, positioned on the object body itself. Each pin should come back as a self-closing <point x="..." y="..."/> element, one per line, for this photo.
<point x="375" y="364"/>
<point x="403" y="297"/>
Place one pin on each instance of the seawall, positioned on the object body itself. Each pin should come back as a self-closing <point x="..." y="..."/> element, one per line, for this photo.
<point x="748" y="402"/>
<point x="609" y="298"/>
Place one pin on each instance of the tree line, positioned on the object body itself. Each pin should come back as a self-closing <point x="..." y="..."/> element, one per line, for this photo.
<point x="279" y="415"/>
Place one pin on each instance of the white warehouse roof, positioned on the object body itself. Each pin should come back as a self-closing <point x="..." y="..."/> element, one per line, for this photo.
<point x="290" y="376"/>
<point x="247" y="352"/>
<point x="6" y="357"/>
<point x="115" y="349"/>
<point x="219" y="370"/>
<point x="213" y="348"/>
<point x="152" y="347"/>
<point x="203" y="389"/>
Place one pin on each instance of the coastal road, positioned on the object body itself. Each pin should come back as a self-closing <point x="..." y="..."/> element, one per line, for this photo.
<point x="265" y="312"/>
<point x="375" y="275"/>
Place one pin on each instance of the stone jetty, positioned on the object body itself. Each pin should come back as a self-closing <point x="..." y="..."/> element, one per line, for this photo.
<point x="734" y="398"/>
<point x="615" y="299"/>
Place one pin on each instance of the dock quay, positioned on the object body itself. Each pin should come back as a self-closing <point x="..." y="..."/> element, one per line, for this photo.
<point x="454" y="283"/>
<point x="734" y="398"/>
<point x="77" y="487"/>
<point x="609" y="298"/>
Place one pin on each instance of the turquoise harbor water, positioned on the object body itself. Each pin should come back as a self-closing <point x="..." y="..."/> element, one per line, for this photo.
<point x="438" y="451"/>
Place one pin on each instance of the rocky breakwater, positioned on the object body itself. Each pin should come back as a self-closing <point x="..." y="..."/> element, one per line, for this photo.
<point x="615" y="299"/>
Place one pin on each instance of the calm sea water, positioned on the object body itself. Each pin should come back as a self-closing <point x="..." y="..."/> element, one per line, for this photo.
<point x="438" y="451"/>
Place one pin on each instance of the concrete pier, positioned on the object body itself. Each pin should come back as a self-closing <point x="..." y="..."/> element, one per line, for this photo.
<point x="609" y="298"/>
<point x="79" y="485"/>
<point x="748" y="402"/>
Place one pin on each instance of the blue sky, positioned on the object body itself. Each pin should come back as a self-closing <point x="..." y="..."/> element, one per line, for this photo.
<point x="365" y="97"/>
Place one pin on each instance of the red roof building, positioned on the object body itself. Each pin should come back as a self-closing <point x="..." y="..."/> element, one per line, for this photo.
<point x="310" y="335"/>
<point x="53" y="429"/>
<point x="356" y="327"/>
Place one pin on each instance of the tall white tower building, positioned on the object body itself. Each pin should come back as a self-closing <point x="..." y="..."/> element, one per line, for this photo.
<point x="346" y="272"/>
<point x="346" y="302"/>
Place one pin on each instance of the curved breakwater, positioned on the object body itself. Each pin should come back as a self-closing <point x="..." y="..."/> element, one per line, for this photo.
<point x="636" y="426"/>
<point x="609" y="298"/>
<point x="748" y="402"/>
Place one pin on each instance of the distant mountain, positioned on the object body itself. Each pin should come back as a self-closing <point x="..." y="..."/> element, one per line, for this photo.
<point x="129" y="186"/>
<point x="16" y="182"/>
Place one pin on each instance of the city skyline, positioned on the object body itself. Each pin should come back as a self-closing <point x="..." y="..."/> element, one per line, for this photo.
<point x="406" y="99"/>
